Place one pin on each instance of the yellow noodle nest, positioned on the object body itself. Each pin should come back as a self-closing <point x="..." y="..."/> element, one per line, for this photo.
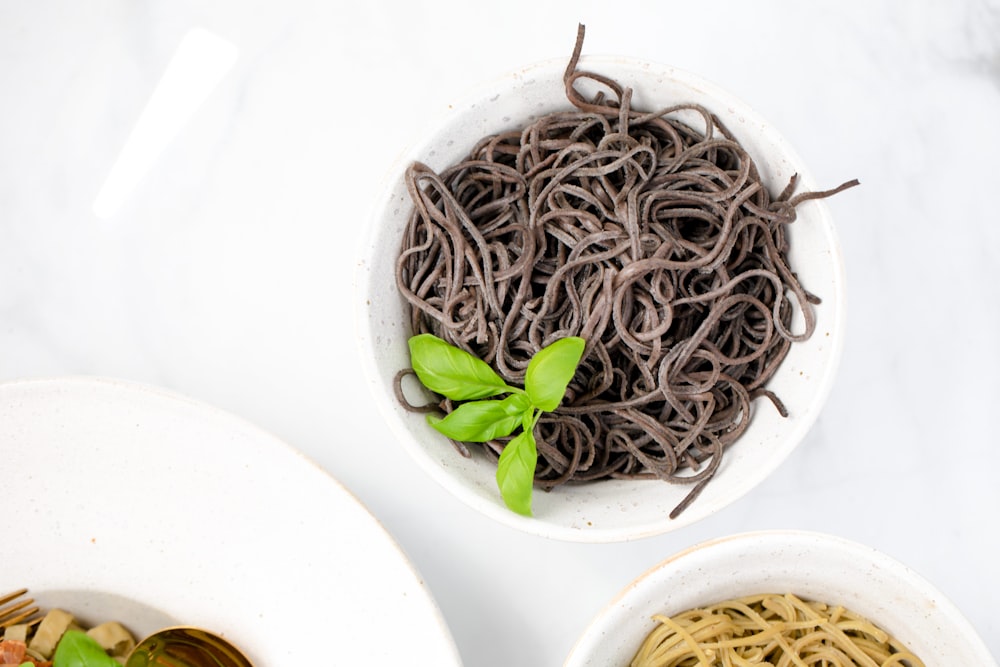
<point x="770" y="630"/>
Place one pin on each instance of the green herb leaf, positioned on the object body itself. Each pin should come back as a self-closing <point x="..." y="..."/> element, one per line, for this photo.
<point x="77" y="649"/>
<point x="482" y="421"/>
<point x="550" y="371"/>
<point x="516" y="470"/>
<point x="451" y="371"/>
<point x="460" y="376"/>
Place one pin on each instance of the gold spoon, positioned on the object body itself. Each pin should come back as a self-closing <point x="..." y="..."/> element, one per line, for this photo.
<point x="185" y="646"/>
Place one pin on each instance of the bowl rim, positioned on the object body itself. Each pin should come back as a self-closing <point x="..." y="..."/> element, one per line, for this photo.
<point x="789" y="538"/>
<point x="366" y="331"/>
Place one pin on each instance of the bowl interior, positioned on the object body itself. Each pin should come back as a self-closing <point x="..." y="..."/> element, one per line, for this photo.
<point x="810" y="565"/>
<point x="607" y="510"/>
<point x="92" y="607"/>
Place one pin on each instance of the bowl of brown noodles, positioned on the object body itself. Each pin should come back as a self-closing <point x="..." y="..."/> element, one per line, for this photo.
<point x="653" y="215"/>
<point x="780" y="598"/>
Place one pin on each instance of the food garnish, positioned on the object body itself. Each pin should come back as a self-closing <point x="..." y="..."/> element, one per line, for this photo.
<point x="459" y="376"/>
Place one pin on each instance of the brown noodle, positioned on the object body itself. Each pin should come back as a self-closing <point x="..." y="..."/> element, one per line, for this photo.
<point x="655" y="242"/>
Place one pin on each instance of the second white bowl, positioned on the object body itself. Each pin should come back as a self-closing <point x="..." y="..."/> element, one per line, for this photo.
<point x="810" y="565"/>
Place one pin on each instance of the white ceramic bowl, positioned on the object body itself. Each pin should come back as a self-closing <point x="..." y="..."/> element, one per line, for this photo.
<point x="810" y="565"/>
<point x="608" y="510"/>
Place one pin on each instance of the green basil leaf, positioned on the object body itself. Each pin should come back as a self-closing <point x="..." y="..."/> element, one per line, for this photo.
<point x="516" y="471"/>
<point x="451" y="371"/>
<point x="77" y="649"/>
<point x="481" y="421"/>
<point x="550" y="371"/>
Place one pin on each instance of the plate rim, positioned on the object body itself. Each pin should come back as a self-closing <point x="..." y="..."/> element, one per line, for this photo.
<point x="145" y="393"/>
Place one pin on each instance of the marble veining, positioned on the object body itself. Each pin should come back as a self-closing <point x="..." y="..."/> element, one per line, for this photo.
<point x="226" y="274"/>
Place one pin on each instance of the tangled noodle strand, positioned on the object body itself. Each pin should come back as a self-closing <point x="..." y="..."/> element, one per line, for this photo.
<point x="655" y="242"/>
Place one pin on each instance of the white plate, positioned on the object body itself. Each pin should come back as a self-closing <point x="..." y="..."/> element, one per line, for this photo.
<point x="128" y="502"/>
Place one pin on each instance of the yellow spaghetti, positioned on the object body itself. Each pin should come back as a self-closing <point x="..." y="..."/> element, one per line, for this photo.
<point x="770" y="630"/>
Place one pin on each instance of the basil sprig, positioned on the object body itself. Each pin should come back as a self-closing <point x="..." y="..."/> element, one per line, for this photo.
<point x="77" y="649"/>
<point x="460" y="376"/>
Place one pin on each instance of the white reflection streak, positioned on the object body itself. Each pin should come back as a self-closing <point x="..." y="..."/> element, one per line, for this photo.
<point x="202" y="60"/>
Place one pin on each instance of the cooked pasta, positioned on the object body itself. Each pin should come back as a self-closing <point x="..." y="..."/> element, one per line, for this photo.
<point x="36" y="641"/>
<point x="770" y="630"/>
<point x="649" y="235"/>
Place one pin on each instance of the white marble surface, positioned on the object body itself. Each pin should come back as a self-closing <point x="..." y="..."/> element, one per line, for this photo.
<point x="226" y="273"/>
